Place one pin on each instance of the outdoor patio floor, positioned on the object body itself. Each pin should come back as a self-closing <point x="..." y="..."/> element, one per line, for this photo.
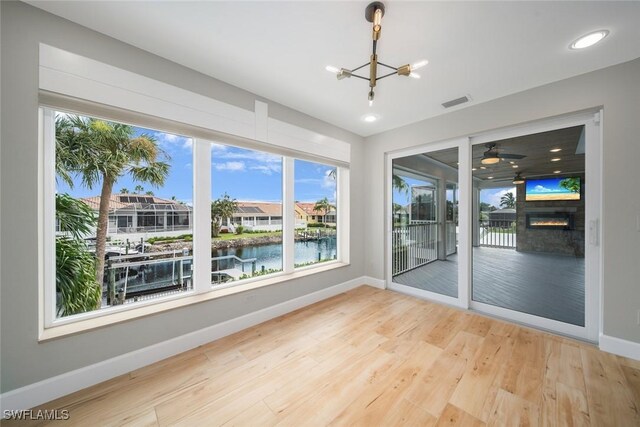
<point x="545" y="285"/>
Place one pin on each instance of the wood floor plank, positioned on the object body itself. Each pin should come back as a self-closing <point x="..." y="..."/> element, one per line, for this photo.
<point x="610" y="400"/>
<point x="573" y="409"/>
<point x="375" y="401"/>
<point x="405" y="414"/>
<point x="511" y="410"/>
<point x="376" y="358"/>
<point x="476" y="390"/>
<point x="453" y="416"/>
<point x="435" y="388"/>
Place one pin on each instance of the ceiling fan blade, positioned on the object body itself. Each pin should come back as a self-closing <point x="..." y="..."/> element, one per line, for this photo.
<point x="511" y="156"/>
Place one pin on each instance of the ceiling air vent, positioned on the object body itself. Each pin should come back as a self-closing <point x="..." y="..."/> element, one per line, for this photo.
<point x="455" y="102"/>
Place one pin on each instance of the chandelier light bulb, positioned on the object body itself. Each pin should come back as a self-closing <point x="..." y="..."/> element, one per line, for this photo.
<point x="332" y="69"/>
<point x="414" y="75"/>
<point x="419" y="64"/>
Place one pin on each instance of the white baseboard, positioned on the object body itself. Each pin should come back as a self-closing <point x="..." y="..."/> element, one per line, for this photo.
<point x="373" y="282"/>
<point x="620" y="347"/>
<point x="52" y="388"/>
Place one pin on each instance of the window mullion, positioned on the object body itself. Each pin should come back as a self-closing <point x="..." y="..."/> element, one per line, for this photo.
<point x="49" y="208"/>
<point x="288" y="215"/>
<point x="343" y="215"/>
<point x="201" y="215"/>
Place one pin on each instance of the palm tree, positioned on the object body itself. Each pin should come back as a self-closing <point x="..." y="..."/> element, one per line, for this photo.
<point x="139" y="189"/>
<point x="75" y="267"/>
<point x="100" y="152"/>
<point x="323" y="205"/>
<point x="149" y="193"/>
<point x="508" y="201"/>
<point x="124" y="190"/>
<point x="399" y="184"/>
<point x="224" y="207"/>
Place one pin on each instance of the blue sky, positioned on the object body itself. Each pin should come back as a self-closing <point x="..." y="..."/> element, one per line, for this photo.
<point x="243" y="174"/>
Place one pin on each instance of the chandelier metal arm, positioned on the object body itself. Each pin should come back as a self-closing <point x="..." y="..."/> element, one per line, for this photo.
<point x="360" y="77"/>
<point x="362" y="66"/>
<point x="387" y="75"/>
<point x="388" y="66"/>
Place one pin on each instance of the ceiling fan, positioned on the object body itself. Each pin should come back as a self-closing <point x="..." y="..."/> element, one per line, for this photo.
<point x="491" y="156"/>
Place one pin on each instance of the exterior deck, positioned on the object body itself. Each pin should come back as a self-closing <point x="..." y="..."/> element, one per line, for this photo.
<point x="545" y="285"/>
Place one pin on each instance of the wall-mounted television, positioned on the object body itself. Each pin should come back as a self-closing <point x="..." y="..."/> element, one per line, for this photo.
<point x="553" y="189"/>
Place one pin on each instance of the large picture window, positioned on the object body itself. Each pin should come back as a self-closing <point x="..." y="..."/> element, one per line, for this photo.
<point x="246" y="213"/>
<point x="136" y="216"/>
<point x="316" y="213"/>
<point x="123" y="208"/>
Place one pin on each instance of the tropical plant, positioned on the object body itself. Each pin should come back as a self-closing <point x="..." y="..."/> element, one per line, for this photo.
<point x="124" y="190"/>
<point x="149" y="193"/>
<point x="333" y="173"/>
<point x="138" y="189"/>
<point x="571" y="184"/>
<point x="222" y="208"/>
<point x="399" y="184"/>
<point x="100" y="152"/>
<point x="323" y="206"/>
<point x="239" y="229"/>
<point x="75" y="266"/>
<point x="508" y="201"/>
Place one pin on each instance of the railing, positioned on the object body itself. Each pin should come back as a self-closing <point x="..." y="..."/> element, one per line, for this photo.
<point x="497" y="233"/>
<point x="170" y="273"/>
<point x="413" y="246"/>
<point x="148" y="229"/>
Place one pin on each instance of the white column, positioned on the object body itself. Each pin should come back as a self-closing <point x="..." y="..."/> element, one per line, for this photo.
<point x="202" y="215"/>
<point x="288" y="215"/>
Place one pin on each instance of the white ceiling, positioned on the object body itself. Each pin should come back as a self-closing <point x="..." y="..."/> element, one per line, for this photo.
<point x="279" y="50"/>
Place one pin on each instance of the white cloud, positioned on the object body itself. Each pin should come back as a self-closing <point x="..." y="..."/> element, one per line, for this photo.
<point x="230" y="166"/>
<point x="541" y="188"/>
<point x="494" y="196"/>
<point x="309" y="181"/>
<point x="267" y="169"/>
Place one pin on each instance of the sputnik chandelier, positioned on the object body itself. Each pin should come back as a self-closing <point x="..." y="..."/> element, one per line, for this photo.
<point x="374" y="13"/>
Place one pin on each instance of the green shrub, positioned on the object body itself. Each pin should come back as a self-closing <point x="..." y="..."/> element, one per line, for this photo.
<point x="239" y="229"/>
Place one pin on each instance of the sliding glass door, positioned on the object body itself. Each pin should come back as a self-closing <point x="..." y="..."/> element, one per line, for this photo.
<point x="424" y="229"/>
<point x="506" y="223"/>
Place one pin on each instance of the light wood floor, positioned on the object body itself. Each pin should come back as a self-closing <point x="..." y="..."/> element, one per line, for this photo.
<point x="371" y="357"/>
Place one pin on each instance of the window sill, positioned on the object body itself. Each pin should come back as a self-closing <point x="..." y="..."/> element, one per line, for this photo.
<point x="110" y="317"/>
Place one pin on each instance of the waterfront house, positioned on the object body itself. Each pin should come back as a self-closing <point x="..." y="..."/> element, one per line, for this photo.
<point x="133" y="216"/>
<point x="317" y="216"/>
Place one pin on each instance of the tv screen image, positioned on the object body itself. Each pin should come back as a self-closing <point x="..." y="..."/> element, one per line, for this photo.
<point x="556" y="188"/>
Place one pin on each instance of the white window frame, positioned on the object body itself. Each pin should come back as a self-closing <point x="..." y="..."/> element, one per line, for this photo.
<point x="52" y="327"/>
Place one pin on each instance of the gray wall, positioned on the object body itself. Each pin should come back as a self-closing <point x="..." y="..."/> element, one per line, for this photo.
<point x="23" y="360"/>
<point x="617" y="89"/>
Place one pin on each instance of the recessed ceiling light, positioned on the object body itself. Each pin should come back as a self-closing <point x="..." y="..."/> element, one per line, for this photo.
<point x="512" y="162"/>
<point x="474" y="169"/>
<point x="489" y="177"/>
<point x="514" y="166"/>
<point x="589" y="39"/>
<point x="557" y="171"/>
<point x="555" y="150"/>
<point x="370" y="118"/>
<point x="556" y="159"/>
<point x="482" y="167"/>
